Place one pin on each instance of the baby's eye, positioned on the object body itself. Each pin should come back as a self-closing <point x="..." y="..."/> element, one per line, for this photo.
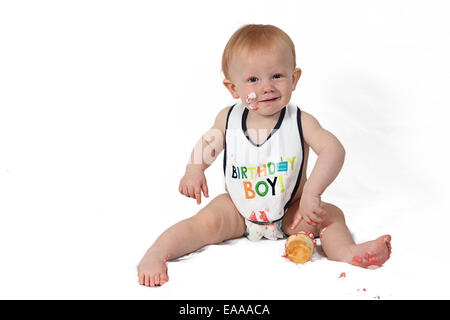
<point x="277" y="76"/>
<point x="252" y="79"/>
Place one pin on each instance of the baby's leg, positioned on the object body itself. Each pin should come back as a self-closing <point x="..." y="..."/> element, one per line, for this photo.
<point x="338" y="244"/>
<point x="217" y="222"/>
<point x="337" y="241"/>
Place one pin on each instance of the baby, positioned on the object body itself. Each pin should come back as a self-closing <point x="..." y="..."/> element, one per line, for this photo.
<point x="266" y="141"/>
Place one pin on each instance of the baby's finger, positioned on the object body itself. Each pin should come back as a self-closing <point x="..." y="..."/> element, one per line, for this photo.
<point x="296" y="222"/>
<point x="198" y="195"/>
<point x="185" y="191"/>
<point x="192" y="192"/>
<point x="205" y="189"/>
<point x="314" y="219"/>
<point x="308" y="220"/>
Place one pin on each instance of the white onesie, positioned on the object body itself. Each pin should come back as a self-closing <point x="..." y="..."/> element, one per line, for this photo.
<point x="262" y="179"/>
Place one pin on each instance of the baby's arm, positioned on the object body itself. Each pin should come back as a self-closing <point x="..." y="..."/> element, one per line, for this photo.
<point x="205" y="151"/>
<point x="329" y="162"/>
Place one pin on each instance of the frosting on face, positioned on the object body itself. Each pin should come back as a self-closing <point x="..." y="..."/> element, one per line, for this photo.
<point x="251" y="98"/>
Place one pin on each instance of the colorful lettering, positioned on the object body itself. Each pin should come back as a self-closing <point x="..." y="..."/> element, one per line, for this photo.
<point x="234" y="173"/>
<point x="251" y="169"/>
<point x="272" y="184"/>
<point x="248" y="189"/>
<point x="244" y="172"/>
<point x="281" y="184"/>
<point x="282" y="166"/>
<point x="269" y="170"/>
<point x="269" y="165"/>
<point x="257" y="188"/>
<point x="265" y="171"/>
<point x="291" y="161"/>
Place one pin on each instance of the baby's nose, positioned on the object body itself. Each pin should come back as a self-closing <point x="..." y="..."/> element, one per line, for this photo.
<point x="267" y="88"/>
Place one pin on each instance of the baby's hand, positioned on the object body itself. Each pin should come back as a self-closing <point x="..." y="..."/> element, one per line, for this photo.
<point x="309" y="210"/>
<point x="193" y="183"/>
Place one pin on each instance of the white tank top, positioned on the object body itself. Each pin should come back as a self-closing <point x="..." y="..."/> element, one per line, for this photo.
<point x="262" y="179"/>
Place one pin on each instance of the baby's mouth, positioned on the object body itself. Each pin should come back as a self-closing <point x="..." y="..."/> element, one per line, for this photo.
<point x="270" y="100"/>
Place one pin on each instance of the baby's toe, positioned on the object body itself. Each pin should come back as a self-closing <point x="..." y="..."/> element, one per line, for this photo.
<point x="147" y="280"/>
<point x="141" y="278"/>
<point x="387" y="240"/>
<point x="152" y="281"/>
<point x="157" y="282"/>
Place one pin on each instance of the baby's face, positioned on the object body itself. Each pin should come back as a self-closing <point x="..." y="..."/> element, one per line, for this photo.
<point x="270" y="74"/>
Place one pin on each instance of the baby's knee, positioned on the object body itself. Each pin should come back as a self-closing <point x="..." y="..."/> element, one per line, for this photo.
<point x="334" y="213"/>
<point x="220" y="220"/>
<point x="210" y="225"/>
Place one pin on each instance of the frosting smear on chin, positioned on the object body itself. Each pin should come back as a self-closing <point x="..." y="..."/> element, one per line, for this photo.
<point x="250" y="101"/>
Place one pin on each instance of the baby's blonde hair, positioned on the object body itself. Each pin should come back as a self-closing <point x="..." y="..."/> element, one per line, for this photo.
<point x="250" y="37"/>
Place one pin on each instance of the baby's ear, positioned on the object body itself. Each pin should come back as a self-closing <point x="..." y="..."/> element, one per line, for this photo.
<point x="295" y="77"/>
<point x="231" y="87"/>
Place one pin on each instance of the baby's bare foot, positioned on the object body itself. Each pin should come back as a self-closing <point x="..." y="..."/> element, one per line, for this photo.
<point x="152" y="270"/>
<point x="372" y="254"/>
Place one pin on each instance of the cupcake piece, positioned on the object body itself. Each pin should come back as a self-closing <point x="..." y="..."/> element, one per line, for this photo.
<point x="300" y="246"/>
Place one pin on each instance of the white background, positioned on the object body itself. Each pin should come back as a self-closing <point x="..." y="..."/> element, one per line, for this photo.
<point x="101" y="103"/>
